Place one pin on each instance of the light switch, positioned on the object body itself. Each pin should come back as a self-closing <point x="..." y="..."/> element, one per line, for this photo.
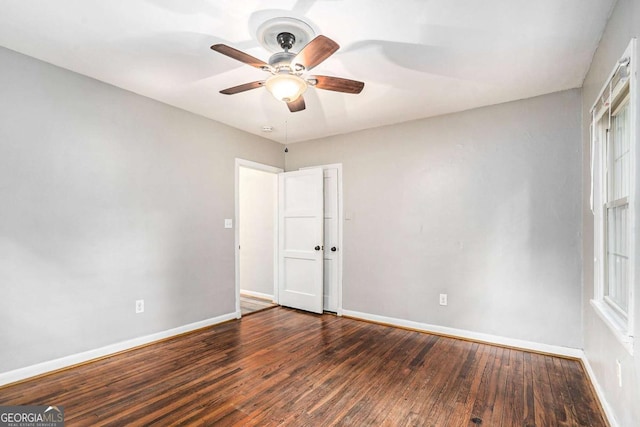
<point x="348" y="216"/>
<point x="228" y="223"/>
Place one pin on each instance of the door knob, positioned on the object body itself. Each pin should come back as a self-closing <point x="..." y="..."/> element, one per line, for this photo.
<point x="317" y="248"/>
<point x="333" y="249"/>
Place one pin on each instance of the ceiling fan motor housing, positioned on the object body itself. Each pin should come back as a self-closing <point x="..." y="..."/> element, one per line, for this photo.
<point x="282" y="61"/>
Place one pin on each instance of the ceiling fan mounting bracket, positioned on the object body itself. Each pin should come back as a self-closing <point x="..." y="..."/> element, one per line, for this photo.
<point x="267" y="33"/>
<point x="286" y="40"/>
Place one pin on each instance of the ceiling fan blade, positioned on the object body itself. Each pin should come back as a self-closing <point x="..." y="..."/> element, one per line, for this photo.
<point x="239" y="55"/>
<point x="242" y="88"/>
<point x="316" y="51"/>
<point x="337" y="84"/>
<point x="297" y="105"/>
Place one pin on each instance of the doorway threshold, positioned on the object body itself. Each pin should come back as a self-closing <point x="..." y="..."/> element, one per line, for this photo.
<point x="251" y="304"/>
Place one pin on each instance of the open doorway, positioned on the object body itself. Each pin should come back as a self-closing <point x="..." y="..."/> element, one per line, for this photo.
<point x="257" y="231"/>
<point x="256" y="236"/>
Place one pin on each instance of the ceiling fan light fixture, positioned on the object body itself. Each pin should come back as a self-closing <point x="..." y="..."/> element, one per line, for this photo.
<point x="288" y="80"/>
<point x="286" y="87"/>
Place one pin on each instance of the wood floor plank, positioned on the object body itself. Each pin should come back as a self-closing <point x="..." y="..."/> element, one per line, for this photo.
<point x="285" y="367"/>
<point x="544" y="402"/>
<point x="500" y="395"/>
<point x="483" y="404"/>
<point x="587" y="413"/>
<point x="529" y="395"/>
<point x="462" y="413"/>
<point x="441" y="404"/>
<point x="513" y="414"/>
<point x="391" y="388"/>
<point x="564" y="408"/>
<point x="414" y="394"/>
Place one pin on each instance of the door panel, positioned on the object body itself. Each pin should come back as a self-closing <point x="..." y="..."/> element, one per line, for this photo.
<point x="301" y="232"/>
<point x="298" y="281"/>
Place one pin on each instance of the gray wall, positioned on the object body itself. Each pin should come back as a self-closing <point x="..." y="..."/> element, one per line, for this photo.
<point x="600" y="346"/>
<point x="483" y="205"/>
<point x="107" y="197"/>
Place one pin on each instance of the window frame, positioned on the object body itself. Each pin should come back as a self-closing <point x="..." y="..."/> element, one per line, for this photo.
<point x="610" y="202"/>
<point x="615" y="95"/>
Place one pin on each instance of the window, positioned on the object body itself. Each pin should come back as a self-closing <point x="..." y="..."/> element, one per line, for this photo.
<point x="613" y="150"/>
<point x="616" y="218"/>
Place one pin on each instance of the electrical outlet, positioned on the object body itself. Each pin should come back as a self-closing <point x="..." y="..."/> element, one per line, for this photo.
<point x="443" y="299"/>
<point x="619" y="372"/>
<point x="139" y="306"/>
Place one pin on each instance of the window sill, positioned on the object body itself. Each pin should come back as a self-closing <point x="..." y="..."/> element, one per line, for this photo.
<point x="610" y="319"/>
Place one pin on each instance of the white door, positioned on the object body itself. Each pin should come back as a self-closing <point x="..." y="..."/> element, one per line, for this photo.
<point x="331" y="241"/>
<point x="301" y="220"/>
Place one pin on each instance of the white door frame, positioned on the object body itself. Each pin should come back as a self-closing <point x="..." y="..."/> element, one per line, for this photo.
<point x="337" y="166"/>
<point x="265" y="168"/>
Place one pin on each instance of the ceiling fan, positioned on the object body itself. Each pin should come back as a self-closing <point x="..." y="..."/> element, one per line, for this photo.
<point x="288" y="80"/>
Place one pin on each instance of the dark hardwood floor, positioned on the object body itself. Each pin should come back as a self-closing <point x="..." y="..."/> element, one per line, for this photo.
<point x="284" y="367"/>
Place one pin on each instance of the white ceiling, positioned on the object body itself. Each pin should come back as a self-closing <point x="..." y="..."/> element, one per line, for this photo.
<point x="418" y="58"/>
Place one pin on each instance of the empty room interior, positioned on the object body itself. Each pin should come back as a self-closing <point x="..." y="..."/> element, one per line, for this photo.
<point x="320" y="212"/>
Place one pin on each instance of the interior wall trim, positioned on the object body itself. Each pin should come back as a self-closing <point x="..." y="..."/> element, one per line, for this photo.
<point x="606" y="408"/>
<point x="256" y="294"/>
<point x="555" y="350"/>
<point x="66" y="362"/>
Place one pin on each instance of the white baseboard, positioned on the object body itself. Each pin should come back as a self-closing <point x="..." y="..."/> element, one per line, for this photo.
<point x="256" y="294"/>
<point x="608" y="412"/>
<point x="74" y="359"/>
<point x="575" y="353"/>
